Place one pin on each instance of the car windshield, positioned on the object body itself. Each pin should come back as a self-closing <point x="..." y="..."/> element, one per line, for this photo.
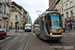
<point x="37" y="27"/>
<point x="27" y="26"/>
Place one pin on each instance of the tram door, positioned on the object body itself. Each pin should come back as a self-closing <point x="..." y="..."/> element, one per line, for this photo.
<point x="42" y="25"/>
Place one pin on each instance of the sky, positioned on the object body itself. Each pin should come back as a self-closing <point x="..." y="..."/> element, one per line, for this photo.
<point x="31" y="6"/>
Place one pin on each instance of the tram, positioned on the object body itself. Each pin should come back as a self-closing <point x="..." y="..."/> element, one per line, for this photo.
<point x="51" y="27"/>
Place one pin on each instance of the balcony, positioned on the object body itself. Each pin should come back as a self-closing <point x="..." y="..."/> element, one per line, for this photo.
<point x="6" y="16"/>
<point x="69" y="19"/>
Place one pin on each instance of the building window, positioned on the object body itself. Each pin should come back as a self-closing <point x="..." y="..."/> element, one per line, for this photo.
<point x="66" y="6"/>
<point x="71" y="4"/>
<point x="0" y="26"/>
<point x="15" y="17"/>
<point x="66" y="0"/>
<point x="0" y="5"/>
<point x="0" y="8"/>
<point x="4" y="9"/>
<point x="71" y="13"/>
<point x="67" y="14"/>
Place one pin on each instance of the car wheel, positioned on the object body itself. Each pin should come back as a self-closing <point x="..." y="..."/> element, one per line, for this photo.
<point x="4" y="37"/>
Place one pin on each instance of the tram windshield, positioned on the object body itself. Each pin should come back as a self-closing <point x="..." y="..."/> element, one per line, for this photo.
<point x="55" y="21"/>
<point x="37" y="26"/>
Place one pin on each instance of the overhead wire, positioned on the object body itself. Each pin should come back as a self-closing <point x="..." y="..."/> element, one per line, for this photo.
<point x="42" y="4"/>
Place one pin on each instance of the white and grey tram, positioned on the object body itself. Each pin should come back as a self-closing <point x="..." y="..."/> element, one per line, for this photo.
<point x="50" y="25"/>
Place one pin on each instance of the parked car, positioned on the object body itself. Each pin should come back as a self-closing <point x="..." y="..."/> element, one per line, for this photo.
<point x="3" y="34"/>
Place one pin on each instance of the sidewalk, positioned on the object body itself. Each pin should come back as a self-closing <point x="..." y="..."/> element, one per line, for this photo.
<point x="71" y="31"/>
<point x="13" y="31"/>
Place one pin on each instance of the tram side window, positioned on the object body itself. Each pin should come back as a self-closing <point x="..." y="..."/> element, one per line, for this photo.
<point x="42" y="25"/>
<point x="49" y="19"/>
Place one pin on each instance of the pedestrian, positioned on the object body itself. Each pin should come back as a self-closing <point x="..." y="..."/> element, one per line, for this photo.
<point x="18" y="28"/>
<point x="68" y="27"/>
<point x="71" y="26"/>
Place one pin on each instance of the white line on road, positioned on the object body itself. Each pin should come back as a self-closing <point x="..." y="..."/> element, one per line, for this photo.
<point x="24" y="34"/>
<point x="4" y="39"/>
<point x="12" y="44"/>
<point x="19" y="34"/>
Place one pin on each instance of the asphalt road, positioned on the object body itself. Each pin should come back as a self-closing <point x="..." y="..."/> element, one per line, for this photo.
<point x="66" y="43"/>
<point x="29" y="41"/>
<point x="14" y="42"/>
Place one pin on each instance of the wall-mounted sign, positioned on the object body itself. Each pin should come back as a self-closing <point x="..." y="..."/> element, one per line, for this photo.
<point x="4" y="21"/>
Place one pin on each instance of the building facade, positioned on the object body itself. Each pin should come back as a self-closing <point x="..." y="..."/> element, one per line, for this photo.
<point x="69" y="12"/>
<point x="52" y="4"/>
<point x="5" y="6"/>
<point x="30" y="21"/>
<point x="67" y="9"/>
<point x="60" y="7"/>
<point x="18" y="14"/>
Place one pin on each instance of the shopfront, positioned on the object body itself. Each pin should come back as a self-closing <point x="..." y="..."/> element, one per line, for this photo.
<point x="73" y="24"/>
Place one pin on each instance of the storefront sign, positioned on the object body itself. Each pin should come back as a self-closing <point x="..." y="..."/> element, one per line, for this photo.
<point x="70" y="22"/>
<point x="4" y="21"/>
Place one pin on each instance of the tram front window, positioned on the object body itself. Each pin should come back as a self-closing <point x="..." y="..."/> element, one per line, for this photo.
<point x="55" y="22"/>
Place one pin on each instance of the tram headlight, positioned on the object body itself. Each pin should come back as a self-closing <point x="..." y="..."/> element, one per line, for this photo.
<point x="39" y="29"/>
<point x="50" y="33"/>
<point x="62" y="33"/>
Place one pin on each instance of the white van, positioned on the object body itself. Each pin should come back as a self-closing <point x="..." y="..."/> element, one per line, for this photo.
<point x="28" y="27"/>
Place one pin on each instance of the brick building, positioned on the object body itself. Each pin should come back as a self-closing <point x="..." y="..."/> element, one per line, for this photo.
<point x="52" y="4"/>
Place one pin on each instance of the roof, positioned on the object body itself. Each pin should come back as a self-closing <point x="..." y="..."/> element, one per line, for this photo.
<point x="46" y="12"/>
<point x="13" y="3"/>
<point x="20" y="7"/>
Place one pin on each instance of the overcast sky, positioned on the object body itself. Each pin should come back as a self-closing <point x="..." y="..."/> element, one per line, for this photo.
<point x="31" y="6"/>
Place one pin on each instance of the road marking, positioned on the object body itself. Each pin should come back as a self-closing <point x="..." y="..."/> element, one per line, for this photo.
<point x="24" y="34"/>
<point x="16" y="38"/>
<point x="22" y="39"/>
<point x="13" y="44"/>
<point x="19" y="34"/>
<point x="34" y="34"/>
<point x="4" y="39"/>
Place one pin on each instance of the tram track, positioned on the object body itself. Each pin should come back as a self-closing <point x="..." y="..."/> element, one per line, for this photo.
<point x="69" y="40"/>
<point x="59" y="43"/>
<point x="69" y="36"/>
